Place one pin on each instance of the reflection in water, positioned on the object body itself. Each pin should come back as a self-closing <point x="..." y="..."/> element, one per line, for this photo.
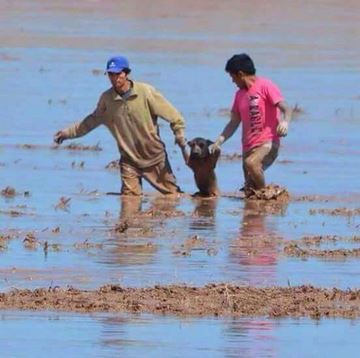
<point x="132" y="241"/>
<point x="121" y="335"/>
<point x="256" y="247"/>
<point x="130" y="206"/>
<point x="203" y="216"/>
<point x="255" y="250"/>
<point x="257" y="332"/>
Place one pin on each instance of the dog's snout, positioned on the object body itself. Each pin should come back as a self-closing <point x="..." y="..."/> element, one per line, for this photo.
<point x="196" y="150"/>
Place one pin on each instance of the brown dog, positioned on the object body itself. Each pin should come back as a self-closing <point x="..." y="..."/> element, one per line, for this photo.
<point x="203" y="164"/>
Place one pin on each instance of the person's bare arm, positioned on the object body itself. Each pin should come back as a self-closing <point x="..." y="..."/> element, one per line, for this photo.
<point x="228" y="131"/>
<point x="286" y="112"/>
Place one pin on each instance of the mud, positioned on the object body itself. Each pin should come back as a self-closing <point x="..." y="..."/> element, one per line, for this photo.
<point x="297" y="111"/>
<point x="113" y="165"/>
<point x="318" y="240"/>
<point x="271" y="192"/>
<point x="296" y="251"/>
<point x="211" y="300"/>
<point x="336" y="212"/>
<point x="8" y="192"/>
<point x="195" y="243"/>
<point x="231" y="157"/>
<point x="79" y="147"/>
<point x="63" y="204"/>
<point x="13" y="213"/>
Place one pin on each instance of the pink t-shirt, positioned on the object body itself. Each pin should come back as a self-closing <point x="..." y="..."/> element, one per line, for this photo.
<point x="259" y="114"/>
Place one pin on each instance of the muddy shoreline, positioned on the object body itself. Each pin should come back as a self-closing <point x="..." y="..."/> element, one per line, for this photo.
<point x="209" y="300"/>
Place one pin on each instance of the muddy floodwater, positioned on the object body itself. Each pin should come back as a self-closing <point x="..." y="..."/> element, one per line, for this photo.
<point x="89" y="273"/>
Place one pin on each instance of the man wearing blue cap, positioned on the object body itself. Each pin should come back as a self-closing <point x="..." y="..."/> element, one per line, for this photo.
<point x="130" y="110"/>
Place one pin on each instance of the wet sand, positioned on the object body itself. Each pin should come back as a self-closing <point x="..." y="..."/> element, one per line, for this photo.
<point x="212" y="300"/>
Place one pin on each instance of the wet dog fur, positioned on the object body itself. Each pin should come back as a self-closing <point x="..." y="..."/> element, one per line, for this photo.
<point x="203" y="164"/>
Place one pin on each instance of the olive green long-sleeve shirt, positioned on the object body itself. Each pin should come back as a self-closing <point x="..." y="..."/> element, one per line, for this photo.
<point x="133" y="122"/>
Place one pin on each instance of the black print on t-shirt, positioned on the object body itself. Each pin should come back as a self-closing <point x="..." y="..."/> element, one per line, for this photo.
<point x="255" y="114"/>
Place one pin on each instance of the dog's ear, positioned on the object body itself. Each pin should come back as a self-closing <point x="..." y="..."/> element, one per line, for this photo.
<point x="209" y="142"/>
<point x="190" y="143"/>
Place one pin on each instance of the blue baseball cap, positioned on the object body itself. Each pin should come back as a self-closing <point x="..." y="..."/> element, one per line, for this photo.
<point x="116" y="64"/>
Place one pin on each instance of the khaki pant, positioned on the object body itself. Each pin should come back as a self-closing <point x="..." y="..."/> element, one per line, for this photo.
<point x="160" y="176"/>
<point x="256" y="161"/>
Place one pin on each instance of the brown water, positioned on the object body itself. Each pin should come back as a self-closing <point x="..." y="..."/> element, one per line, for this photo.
<point x="51" y="63"/>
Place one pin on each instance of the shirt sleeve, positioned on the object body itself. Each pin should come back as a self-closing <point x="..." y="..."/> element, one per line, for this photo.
<point x="273" y="93"/>
<point x="89" y="123"/>
<point x="161" y="107"/>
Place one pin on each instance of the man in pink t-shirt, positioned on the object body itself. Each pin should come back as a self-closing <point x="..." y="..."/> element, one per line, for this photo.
<point x="265" y="117"/>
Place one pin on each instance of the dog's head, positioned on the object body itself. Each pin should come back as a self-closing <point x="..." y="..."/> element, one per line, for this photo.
<point x="199" y="147"/>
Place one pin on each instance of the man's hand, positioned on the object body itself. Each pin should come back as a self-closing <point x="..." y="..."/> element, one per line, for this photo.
<point x="180" y="139"/>
<point x="282" y="128"/>
<point x="216" y="147"/>
<point x="59" y="137"/>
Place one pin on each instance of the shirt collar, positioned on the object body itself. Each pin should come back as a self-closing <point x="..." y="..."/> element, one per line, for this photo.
<point x="133" y="92"/>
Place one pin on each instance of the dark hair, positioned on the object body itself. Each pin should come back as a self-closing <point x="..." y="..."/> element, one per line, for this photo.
<point x="241" y="62"/>
<point x="126" y="70"/>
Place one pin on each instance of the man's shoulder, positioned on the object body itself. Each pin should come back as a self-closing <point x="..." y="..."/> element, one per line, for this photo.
<point x="265" y="82"/>
<point x="106" y="94"/>
<point x="142" y="87"/>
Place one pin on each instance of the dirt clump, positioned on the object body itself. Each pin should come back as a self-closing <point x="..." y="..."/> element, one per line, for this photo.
<point x="159" y="213"/>
<point x="320" y="239"/>
<point x="297" y="111"/>
<point x="233" y="156"/>
<point x="194" y="242"/>
<point x="336" y="212"/>
<point x="8" y="192"/>
<point x="63" y="204"/>
<point x="121" y="227"/>
<point x="4" y="239"/>
<point x="13" y="213"/>
<point x="86" y="245"/>
<point x="210" y="300"/>
<point x="294" y="250"/>
<point x="80" y="147"/>
<point x="270" y="192"/>
<point x="30" y="242"/>
<point x="27" y="146"/>
<point x="113" y="165"/>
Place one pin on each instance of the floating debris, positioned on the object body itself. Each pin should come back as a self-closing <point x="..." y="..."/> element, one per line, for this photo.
<point x="78" y="165"/>
<point x="13" y="213"/>
<point x="30" y="242"/>
<point x="97" y="72"/>
<point x="336" y="212"/>
<point x="294" y="250"/>
<point x="81" y="147"/>
<point x="233" y="156"/>
<point x="114" y="164"/>
<point x="86" y="245"/>
<point x="27" y="146"/>
<point x="297" y="111"/>
<point x="224" y="112"/>
<point x="63" y="204"/>
<point x="8" y="192"/>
